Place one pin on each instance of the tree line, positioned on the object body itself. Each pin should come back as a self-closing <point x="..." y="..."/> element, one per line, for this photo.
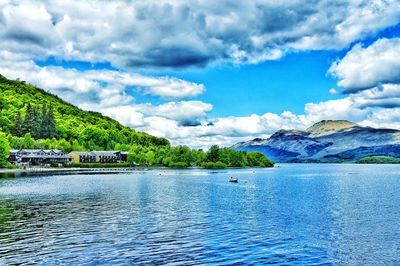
<point x="183" y="157"/>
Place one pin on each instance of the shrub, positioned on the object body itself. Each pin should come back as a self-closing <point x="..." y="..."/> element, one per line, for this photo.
<point x="11" y="166"/>
<point x="217" y="165"/>
<point x="379" y="160"/>
<point x="180" y="165"/>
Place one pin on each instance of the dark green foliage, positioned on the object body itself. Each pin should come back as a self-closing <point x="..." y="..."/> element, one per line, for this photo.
<point x="18" y="127"/>
<point x="257" y="159"/>
<point x="379" y="160"/>
<point x="48" y="124"/>
<point x="213" y="154"/>
<point x="28" y="126"/>
<point x="4" y="150"/>
<point x="216" y="165"/>
<point x="39" y="122"/>
<point x="179" y="165"/>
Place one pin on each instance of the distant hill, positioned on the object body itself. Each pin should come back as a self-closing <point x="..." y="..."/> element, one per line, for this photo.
<point x="379" y="160"/>
<point x="88" y="130"/>
<point x="327" y="141"/>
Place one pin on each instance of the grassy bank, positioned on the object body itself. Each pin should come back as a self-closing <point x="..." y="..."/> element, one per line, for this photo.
<point x="379" y="160"/>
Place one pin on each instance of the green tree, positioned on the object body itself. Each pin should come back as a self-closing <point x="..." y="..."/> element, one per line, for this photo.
<point x="28" y="142"/>
<point x="76" y="146"/>
<point x="213" y="154"/>
<point x="18" y="125"/>
<point x="258" y="159"/>
<point x="95" y="138"/>
<point x="4" y="150"/>
<point x="29" y="119"/>
<point x="150" y="157"/>
<point x="51" y="123"/>
<point x="136" y="158"/>
<point x="238" y="159"/>
<point x="43" y="122"/>
<point x="63" y="145"/>
<point x="37" y="123"/>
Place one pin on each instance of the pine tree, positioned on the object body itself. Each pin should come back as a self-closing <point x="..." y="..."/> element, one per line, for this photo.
<point x="44" y="132"/>
<point x="37" y="122"/>
<point x="213" y="154"/>
<point x="29" y="120"/>
<point x="18" y="127"/>
<point x="51" y="123"/>
<point x="4" y="150"/>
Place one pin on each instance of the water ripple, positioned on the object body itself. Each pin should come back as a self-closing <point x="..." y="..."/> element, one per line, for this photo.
<point x="293" y="215"/>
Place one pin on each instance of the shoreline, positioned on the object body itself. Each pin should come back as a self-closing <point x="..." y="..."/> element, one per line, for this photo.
<point x="100" y="170"/>
<point x="28" y="171"/>
<point x="55" y="171"/>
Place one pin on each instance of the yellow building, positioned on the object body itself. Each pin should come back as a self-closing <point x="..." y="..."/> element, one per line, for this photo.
<point x="98" y="156"/>
<point x="82" y="157"/>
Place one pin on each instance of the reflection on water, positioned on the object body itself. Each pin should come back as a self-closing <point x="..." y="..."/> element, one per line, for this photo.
<point x="296" y="214"/>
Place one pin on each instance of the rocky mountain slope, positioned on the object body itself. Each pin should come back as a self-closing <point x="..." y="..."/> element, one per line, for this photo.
<point x="327" y="141"/>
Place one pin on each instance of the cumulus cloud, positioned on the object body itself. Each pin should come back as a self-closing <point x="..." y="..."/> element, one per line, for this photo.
<point x="104" y="88"/>
<point x="366" y="67"/>
<point x="174" y="34"/>
<point x="333" y="91"/>
<point x="167" y="87"/>
<point x="186" y="112"/>
<point x="385" y="96"/>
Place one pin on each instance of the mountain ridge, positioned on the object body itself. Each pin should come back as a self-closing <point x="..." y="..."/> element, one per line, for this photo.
<point x="327" y="141"/>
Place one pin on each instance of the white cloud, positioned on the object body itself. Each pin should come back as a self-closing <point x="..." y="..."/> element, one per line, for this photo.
<point x="173" y="34"/>
<point x="105" y="88"/>
<point x="333" y="91"/>
<point x="184" y="111"/>
<point x="126" y="115"/>
<point x="364" y="68"/>
<point x="168" y="87"/>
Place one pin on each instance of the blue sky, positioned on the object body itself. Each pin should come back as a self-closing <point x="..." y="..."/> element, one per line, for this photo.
<point x="273" y="86"/>
<point x="204" y="72"/>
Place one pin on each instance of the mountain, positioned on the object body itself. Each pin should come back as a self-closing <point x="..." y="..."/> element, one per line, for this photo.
<point x="27" y="109"/>
<point x="327" y="141"/>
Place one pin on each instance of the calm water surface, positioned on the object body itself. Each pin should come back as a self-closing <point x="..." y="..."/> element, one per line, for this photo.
<point x="293" y="214"/>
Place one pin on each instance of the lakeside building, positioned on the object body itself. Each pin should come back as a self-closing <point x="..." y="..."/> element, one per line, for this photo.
<point x="38" y="156"/>
<point x="98" y="156"/>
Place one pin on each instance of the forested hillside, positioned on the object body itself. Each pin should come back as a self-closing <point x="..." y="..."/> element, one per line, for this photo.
<point x="25" y="108"/>
<point x="33" y="118"/>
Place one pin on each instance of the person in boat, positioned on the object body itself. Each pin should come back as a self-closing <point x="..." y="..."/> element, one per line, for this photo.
<point x="233" y="179"/>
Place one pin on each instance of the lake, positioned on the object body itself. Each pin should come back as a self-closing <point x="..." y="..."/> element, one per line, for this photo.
<point x="304" y="214"/>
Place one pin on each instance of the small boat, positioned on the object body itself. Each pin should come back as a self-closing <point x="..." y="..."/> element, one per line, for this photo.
<point x="233" y="179"/>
